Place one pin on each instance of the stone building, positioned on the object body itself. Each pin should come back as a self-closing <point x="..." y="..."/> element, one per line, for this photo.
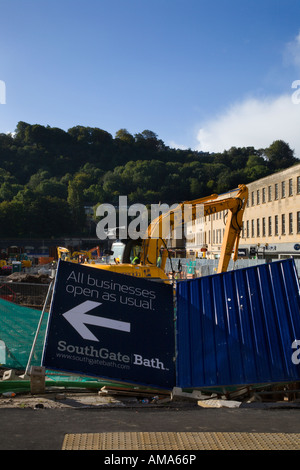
<point x="271" y="223"/>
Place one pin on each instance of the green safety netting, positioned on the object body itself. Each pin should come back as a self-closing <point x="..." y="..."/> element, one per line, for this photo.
<point x="18" y="326"/>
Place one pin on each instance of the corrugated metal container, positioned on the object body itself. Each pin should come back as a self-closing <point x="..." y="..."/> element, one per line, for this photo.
<point x="237" y="328"/>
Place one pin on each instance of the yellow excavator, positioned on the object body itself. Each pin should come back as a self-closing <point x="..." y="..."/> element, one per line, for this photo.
<point x="151" y="251"/>
<point x="77" y="256"/>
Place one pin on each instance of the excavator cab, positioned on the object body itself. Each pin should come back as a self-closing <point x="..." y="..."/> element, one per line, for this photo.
<point x="125" y="251"/>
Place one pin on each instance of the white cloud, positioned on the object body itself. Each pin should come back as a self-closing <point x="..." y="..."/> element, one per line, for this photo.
<point x="258" y="122"/>
<point x="254" y="123"/>
<point x="172" y="144"/>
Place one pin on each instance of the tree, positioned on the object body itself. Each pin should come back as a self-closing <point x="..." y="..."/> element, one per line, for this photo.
<point x="75" y="201"/>
<point x="256" y="168"/>
<point x="8" y="191"/>
<point x="53" y="189"/>
<point x="47" y="175"/>
<point x="90" y="135"/>
<point x="149" y="140"/>
<point x="197" y="188"/>
<point x="11" y="219"/>
<point x="280" y="155"/>
<point x="20" y="131"/>
<point x="124" y="136"/>
<point x="37" y="178"/>
<point x="37" y="135"/>
<point x="94" y="194"/>
<point x="55" y="217"/>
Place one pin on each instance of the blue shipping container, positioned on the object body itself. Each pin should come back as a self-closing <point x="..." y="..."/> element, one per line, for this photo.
<point x="237" y="328"/>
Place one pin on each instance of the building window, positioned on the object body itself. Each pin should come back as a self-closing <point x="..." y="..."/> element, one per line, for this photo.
<point x="252" y="228"/>
<point x="290" y="186"/>
<point x="283" y="224"/>
<point x="263" y="195"/>
<point x="270" y="226"/>
<point x="247" y="229"/>
<point x="298" y="222"/>
<point x="269" y="193"/>
<point x="276" y="191"/>
<point x="257" y="197"/>
<point x="290" y="223"/>
<point x="298" y="184"/>
<point x="283" y="189"/>
<point x="276" y="225"/>
<point x="252" y="198"/>
<point x="258" y="228"/>
<point x="263" y="226"/>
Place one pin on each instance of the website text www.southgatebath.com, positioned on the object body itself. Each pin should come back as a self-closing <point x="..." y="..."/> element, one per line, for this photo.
<point x="105" y="357"/>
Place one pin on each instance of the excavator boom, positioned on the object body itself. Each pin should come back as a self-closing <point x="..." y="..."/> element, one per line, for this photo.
<point x="153" y="246"/>
<point x="188" y="211"/>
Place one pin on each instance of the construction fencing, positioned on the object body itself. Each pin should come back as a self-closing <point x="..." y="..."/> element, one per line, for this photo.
<point x="27" y="294"/>
<point x="185" y="268"/>
<point x="239" y="327"/>
<point x="21" y="305"/>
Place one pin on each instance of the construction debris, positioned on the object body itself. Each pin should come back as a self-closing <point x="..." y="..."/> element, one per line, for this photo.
<point x="146" y="396"/>
<point x="179" y="395"/>
<point x="32" y="387"/>
<point x="30" y="278"/>
<point x="211" y="403"/>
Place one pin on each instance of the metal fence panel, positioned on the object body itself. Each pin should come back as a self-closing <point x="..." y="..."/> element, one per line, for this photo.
<point x="27" y="294"/>
<point x="237" y="328"/>
<point x="206" y="267"/>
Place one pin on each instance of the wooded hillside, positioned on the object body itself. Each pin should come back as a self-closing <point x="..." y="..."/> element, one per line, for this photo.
<point x="48" y="175"/>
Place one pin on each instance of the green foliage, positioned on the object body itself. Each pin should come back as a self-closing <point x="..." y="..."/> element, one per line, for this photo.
<point x="125" y="136"/>
<point x="75" y="201"/>
<point x="280" y="155"/>
<point x="48" y="175"/>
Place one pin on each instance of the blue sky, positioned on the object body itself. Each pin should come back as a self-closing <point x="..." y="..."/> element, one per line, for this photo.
<point x="205" y="75"/>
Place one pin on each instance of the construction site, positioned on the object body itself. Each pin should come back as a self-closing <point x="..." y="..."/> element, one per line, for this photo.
<point x="165" y="335"/>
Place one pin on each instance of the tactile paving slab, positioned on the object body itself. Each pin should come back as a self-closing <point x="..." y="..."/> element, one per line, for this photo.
<point x="181" y="441"/>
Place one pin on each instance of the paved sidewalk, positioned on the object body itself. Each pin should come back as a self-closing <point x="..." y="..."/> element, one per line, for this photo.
<point x="51" y="420"/>
<point x="46" y="429"/>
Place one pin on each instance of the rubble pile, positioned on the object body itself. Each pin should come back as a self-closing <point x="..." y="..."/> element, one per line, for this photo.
<point x="39" y="278"/>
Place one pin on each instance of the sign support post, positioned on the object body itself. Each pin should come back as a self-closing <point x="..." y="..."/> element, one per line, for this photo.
<point x="38" y="328"/>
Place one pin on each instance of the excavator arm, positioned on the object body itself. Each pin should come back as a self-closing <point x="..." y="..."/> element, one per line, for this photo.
<point x="236" y="207"/>
<point x="63" y="253"/>
<point x="152" y="257"/>
<point x="160" y="228"/>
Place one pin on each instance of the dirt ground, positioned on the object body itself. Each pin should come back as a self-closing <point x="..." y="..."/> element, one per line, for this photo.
<point x="54" y="400"/>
